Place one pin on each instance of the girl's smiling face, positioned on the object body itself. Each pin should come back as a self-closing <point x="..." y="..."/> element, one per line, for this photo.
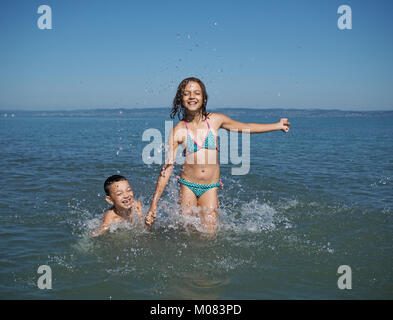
<point x="192" y="96"/>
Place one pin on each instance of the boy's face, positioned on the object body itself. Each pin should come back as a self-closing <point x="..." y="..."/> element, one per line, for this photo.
<point x="121" y="195"/>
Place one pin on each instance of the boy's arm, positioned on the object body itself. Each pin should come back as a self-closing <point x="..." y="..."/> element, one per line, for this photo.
<point x="164" y="176"/>
<point x="232" y="125"/>
<point x="106" y="222"/>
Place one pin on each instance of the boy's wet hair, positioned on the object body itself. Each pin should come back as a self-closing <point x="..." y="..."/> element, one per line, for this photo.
<point x="108" y="182"/>
<point x="177" y="106"/>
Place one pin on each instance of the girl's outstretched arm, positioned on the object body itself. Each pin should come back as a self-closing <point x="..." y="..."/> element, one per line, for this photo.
<point x="232" y="125"/>
<point x="163" y="178"/>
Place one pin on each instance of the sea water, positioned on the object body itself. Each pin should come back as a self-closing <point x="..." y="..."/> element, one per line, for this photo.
<point x="314" y="199"/>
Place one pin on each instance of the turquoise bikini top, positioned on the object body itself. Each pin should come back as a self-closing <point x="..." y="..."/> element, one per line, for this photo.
<point x="193" y="146"/>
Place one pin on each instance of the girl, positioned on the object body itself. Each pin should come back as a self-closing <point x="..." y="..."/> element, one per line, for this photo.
<point x="197" y="132"/>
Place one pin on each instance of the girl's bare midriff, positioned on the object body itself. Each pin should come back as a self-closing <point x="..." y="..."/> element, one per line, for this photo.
<point x="201" y="167"/>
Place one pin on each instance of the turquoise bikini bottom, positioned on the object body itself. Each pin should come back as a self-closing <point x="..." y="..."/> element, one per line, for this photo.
<point x="199" y="189"/>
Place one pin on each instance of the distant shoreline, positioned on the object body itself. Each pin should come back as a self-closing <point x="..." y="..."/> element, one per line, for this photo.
<point x="135" y="112"/>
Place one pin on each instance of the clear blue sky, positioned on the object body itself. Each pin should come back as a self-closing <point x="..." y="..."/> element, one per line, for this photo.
<point x="265" y="54"/>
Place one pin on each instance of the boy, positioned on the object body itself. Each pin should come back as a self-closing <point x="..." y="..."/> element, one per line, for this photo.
<point x="119" y="194"/>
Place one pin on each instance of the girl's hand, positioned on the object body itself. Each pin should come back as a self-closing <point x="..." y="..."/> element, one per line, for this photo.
<point x="150" y="217"/>
<point x="284" y="124"/>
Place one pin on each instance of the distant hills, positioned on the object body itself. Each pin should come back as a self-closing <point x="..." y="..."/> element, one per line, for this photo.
<point x="164" y="112"/>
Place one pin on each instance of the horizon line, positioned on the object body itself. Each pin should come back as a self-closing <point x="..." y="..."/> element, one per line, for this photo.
<point x="147" y="108"/>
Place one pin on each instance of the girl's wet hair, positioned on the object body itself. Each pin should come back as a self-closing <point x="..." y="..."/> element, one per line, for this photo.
<point x="178" y="108"/>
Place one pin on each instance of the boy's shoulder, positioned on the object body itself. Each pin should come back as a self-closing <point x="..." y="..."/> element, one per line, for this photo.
<point x="110" y="215"/>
